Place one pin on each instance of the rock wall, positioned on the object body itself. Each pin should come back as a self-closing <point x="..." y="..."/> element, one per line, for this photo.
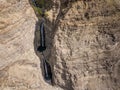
<point x="85" y="36"/>
<point x="20" y="67"/>
<point x="83" y="45"/>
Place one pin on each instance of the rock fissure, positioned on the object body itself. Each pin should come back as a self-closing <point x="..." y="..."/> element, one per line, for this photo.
<point x="82" y="40"/>
<point x="46" y="67"/>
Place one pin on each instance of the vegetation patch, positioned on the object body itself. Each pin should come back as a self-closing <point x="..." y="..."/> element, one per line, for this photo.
<point x="39" y="7"/>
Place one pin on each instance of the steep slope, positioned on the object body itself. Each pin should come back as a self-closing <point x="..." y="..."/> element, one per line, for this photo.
<point x="85" y="37"/>
<point x="83" y="45"/>
<point x="20" y="67"/>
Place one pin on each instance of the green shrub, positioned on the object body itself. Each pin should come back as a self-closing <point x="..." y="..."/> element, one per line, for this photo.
<point x="40" y="6"/>
<point x="38" y="10"/>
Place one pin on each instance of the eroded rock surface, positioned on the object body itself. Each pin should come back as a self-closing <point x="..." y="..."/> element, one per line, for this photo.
<point x="86" y="44"/>
<point x="83" y="45"/>
<point x="19" y="64"/>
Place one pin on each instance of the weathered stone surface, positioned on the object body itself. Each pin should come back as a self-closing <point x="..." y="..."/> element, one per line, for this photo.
<point x="19" y="65"/>
<point x="85" y="54"/>
<point x="83" y="45"/>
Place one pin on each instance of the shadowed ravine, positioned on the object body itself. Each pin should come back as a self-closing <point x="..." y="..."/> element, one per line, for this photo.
<point x="81" y="37"/>
<point x="49" y="34"/>
<point x="46" y="69"/>
<point x="40" y="46"/>
<point x="77" y="47"/>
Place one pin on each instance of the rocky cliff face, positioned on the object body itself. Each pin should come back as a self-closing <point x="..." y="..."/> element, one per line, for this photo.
<point x="83" y="45"/>
<point x="19" y="65"/>
<point x="85" y="52"/>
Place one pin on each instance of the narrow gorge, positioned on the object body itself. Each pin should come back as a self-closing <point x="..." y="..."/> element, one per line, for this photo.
<point x="59" y="45"/>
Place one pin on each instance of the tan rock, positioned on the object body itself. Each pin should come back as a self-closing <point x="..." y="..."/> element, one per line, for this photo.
<point x="85" y="53"/>
<point x="83" y="45"/>
<point x="19" y="64"/>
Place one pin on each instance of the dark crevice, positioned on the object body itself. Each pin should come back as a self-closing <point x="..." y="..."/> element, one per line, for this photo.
<point x="35" y="3"/>
<point x="46" y="69"/>
<point x="45" y="66"/>
<point x="87" y="15"/>
<point x="40" y="46"/>
<point x="44" y="48"/>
